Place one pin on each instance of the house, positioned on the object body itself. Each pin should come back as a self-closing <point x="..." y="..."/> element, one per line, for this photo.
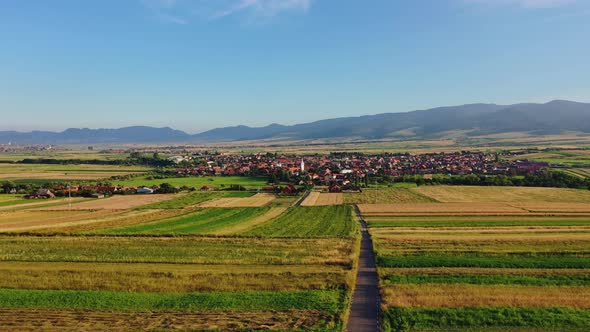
<point x="145" y="190"/>
<point x="97" y="195"/>
<point x="205" y="188"/>
<point x="42" y="194"/>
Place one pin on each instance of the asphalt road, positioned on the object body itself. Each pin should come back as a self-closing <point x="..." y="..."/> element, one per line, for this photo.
<point x="364" y="312"/>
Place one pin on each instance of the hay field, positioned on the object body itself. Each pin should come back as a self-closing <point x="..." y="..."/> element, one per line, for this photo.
<point x="118" y="202"/>
<point x="258" y="200"/>
<point x="462" y="295"/>
<point x="386" y="196"/>
<point x="323" y="199"/>
<point x="450" y="209"/>
<point x="467" y="194"/>
<point x="469" y="266"/>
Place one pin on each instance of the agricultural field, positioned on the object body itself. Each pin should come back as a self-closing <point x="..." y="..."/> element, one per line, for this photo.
<point x="462" y="194"/>
<point x="323" y="199"/>
<point x="197" y="261"/>
<point x="386" y="196"/>
<point x="258" y="200"/>
<point x="480" y="265"/>
<point x="219" y="182"/>
<point x="47" y="173"/>
<point x="312" y="221"/>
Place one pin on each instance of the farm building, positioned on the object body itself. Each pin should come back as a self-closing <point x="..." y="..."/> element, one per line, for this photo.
<point x="42" y="194"/>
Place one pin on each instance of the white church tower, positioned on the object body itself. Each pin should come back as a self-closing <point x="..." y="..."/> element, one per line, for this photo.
<point x="302" y="166"/>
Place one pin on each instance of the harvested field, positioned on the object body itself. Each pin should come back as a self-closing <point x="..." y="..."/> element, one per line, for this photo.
<point x="32" y="220"/>
<point x="119" y="202"/>
<point x="441" y="296"/>
<point x="26" y="204"/>
<point x="386" y="196"/>
<point x="443" y="209"/>
<point x="329" y="199"/>
<point x="54" y="320"/>
<point x="311" y="199"/>
<point x="465" y="194"/>
<point x="258" y="200"/>
<point x="570" y="208"/>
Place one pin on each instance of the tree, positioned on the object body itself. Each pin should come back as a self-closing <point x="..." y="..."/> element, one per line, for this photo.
<point x="167" y="188"/>
<point x="7" y="186"/>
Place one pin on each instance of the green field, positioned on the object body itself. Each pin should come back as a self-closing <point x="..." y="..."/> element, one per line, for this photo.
<point x="193" y="199"/>
<point x="479" y="319"/>
<point x="310" y="221"/>
<point x="476" y="222"/>
<point x="219" y="182"/>
<point x="202" y="221"/>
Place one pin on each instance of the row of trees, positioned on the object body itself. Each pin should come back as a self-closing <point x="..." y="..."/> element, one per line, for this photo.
<point x="545" y="179"/>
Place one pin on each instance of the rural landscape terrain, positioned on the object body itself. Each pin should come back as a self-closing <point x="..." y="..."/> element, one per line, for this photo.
<point x="279" y="249"/>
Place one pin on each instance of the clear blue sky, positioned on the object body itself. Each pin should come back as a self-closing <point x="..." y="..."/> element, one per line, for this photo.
<point x="199" y="64"/>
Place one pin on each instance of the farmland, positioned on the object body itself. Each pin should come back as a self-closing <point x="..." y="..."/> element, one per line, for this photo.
<point x="220" y="182"/>
<point x="230" y="260"/>
<point x="310" y="221"/>
<point x="42" y="172"/>
<point x="510" y="258"/>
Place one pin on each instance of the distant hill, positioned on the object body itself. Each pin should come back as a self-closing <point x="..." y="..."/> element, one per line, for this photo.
<point x="474" y="119"/>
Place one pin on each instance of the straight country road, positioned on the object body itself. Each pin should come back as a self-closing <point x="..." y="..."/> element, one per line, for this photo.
<point x="364" y="311"/>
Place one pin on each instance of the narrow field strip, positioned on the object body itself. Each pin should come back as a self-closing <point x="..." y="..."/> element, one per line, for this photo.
<point x="548" y="262"/>
<point x="485" y="271"/>
<point x="164" y="281"/>
<point x="325" y="300"/>
<point x="246" y="225"/>
<point x="195" y="250"/>
<point x="386" y="196"/>
<point x="201" y="221"/>
<point x="465" y="295"/>
<point x="429" y="209"/>
<point x="39" y="220"/>
<point x="471" y="194"/>
<point x="475" y="222"/>
<point x="76" y="320"/>
<point x="193" y="199"/>
<point x="32" y="204"/>
<point x="258" y="200"/>
<point x="309" y="221"/>
<point x="480" y="319"/>
<point x="556" y="280"/>
<point x="119" y="202"/>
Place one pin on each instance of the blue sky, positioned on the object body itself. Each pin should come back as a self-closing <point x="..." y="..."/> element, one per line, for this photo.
<point x="200" y="64"/>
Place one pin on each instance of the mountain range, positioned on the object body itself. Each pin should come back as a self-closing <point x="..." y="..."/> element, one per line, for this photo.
<point x="473" y="119"/>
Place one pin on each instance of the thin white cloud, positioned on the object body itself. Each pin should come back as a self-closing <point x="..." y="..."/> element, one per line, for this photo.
<point x="525" y="3"/>
<point x="182" y="11"/>
<point x="265" y="8"/>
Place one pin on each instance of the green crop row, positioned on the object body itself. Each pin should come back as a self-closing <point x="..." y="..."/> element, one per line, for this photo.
<point x="325" y="300"/>
<point x="310" y="221"/>
<point x="548" y="262"/>
<point x="477" y="319"/>
<point x="550" y="280"/>
<point x="202" y="221"/>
